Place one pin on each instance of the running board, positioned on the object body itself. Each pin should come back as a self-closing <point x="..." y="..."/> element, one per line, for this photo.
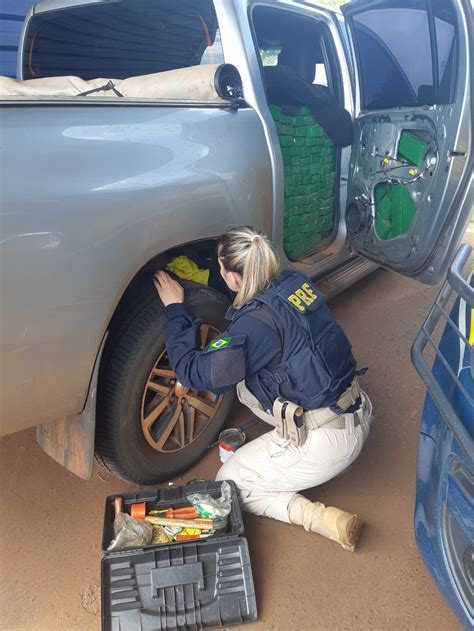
<point x="345" y="275"/>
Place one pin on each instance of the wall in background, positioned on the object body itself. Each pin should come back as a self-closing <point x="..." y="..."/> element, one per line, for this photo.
<point x="12" y="14"/>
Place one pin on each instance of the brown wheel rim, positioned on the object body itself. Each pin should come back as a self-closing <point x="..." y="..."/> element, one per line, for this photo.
<point x="173" y="416"/>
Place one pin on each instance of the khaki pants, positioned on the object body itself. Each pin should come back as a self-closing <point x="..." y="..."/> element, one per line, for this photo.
<point x="269" y="471"/>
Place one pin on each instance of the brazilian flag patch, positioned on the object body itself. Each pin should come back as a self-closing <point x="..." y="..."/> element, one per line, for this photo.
<point x="219" y="343"/>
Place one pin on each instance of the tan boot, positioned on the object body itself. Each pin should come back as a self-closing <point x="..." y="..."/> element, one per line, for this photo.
<point x="330" y="522"/>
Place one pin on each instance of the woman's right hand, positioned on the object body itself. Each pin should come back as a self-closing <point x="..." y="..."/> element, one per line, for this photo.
<point x="169" y="290"/>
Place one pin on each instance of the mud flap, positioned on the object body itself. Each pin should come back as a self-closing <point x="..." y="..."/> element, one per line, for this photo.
<point x="69" y="440"/>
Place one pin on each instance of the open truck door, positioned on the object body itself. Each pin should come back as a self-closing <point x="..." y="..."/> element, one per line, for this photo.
<point x="410" y="183"/>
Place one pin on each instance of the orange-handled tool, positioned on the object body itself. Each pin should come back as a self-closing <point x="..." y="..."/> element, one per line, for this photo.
<point x="188" y="512"/>
<point x="182" y="513"/>
<point x="138" y="511"/>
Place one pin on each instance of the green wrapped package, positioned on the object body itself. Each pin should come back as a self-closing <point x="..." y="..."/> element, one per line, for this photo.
<point x="394" y="210"/>
<point x="411" y="148"/>
<point x="286" y="141"/>
<point x="315" y="131"/>
<point x="301" y="200"/>
<point x="275" y="111"/>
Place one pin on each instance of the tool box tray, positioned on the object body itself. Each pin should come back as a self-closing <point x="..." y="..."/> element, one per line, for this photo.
<point x="169" y="497"/>
<point x="191" y="585"/>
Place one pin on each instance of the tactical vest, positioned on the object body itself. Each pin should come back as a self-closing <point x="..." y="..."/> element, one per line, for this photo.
<point x="316" y="364"/>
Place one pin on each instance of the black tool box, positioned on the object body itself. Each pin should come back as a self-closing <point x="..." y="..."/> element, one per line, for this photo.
<point x="181" y="586"/>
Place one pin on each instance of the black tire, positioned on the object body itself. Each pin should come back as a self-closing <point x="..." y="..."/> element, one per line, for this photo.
<point x="131" y="352"/>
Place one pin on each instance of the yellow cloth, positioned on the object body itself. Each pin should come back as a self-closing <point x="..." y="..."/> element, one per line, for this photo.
<point x="184" y="268"/>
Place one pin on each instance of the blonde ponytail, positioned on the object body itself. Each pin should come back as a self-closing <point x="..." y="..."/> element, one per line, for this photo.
<point x="250" y="254"/>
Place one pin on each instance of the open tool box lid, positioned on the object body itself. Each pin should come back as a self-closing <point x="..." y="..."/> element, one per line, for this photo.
<point x="202" y="584"/>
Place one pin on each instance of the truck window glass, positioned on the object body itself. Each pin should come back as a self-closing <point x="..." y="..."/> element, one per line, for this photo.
<point x="122" y="39"/>
<point x="395" y="47"/>
<point x="320" y="75"/>
<point x="445" y="20"/>
<point x="269" y="58"/>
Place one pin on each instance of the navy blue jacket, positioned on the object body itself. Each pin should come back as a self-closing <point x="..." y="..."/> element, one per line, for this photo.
<point x="285" y="342"/>
<point x="252" y="345"/>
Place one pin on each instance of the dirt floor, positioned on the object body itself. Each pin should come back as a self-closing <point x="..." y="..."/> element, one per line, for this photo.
<point x="52" y="521"/>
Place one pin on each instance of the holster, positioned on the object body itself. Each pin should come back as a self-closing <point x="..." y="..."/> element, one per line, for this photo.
<point x="289" y="421"/>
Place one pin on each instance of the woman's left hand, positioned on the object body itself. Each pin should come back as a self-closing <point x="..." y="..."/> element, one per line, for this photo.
<point x="168" y="289"/>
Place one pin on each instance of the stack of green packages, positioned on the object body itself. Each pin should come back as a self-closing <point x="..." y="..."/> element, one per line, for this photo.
<point x="309" y="168"/>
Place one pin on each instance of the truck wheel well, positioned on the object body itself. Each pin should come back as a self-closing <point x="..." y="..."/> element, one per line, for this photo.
<point x="142" y="281"/>
<point x="132" y="298"/>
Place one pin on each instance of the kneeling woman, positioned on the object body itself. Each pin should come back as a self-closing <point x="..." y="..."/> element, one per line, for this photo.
<point x="294" y="369"/>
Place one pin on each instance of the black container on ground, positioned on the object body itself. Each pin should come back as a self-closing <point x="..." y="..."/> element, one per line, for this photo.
<point x="193" y="585"/>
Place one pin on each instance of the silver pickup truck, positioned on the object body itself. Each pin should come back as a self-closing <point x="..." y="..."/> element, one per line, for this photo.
<point x="137" y="130"/>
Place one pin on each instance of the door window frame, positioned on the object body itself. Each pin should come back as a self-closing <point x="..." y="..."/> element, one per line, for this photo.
<point x="343" y="67"/>
<point x="355" y="52"/>
<point x="330" y="60"/>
